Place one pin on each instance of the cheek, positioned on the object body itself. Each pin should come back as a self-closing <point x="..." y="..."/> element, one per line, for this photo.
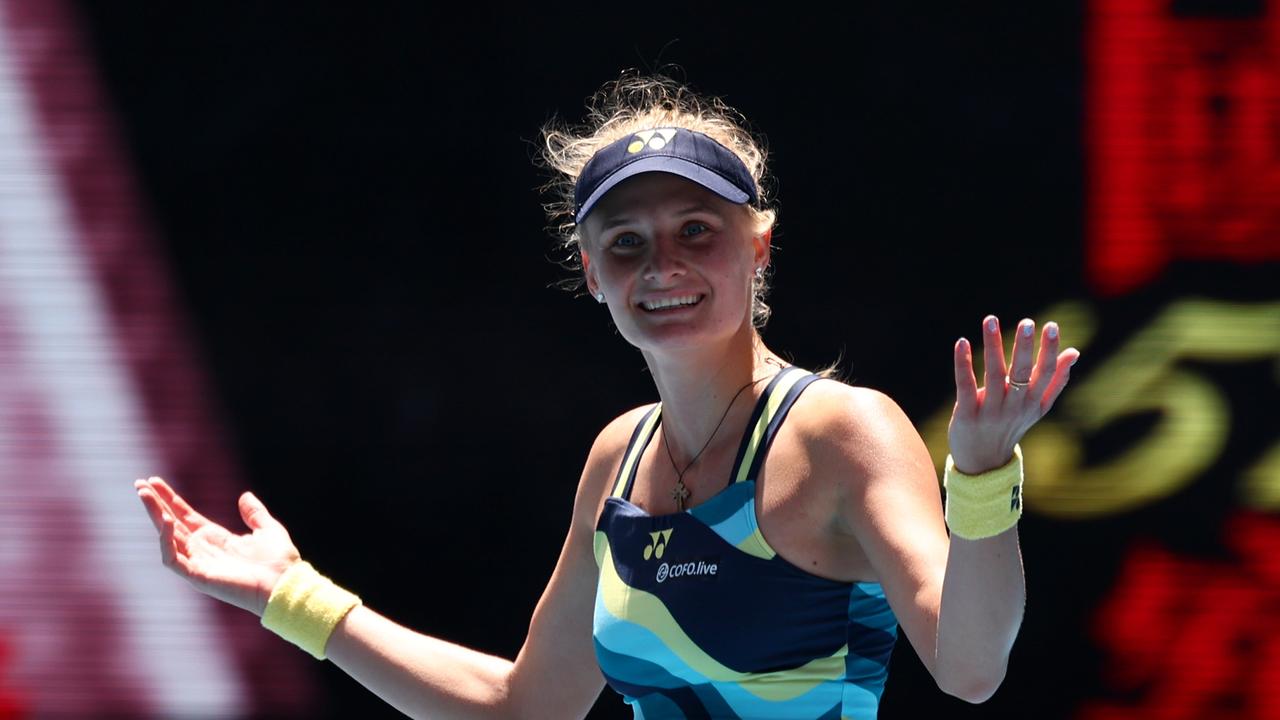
<point x="734" y="286"/>
<point x="611" y="272"/>
<point x="738" y="269"/>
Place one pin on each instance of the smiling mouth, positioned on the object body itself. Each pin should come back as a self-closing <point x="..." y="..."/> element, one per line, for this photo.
<point x="668" y="304"/>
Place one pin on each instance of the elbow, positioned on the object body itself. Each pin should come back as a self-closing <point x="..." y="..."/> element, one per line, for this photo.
<point x="971" y="685"/>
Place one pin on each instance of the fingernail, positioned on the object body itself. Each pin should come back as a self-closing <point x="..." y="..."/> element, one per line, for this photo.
<point x="1026" y="330"/>
<point x="1074" y="360"/>
<point x="991" y="325"/>
<point x="1053" y="331"/>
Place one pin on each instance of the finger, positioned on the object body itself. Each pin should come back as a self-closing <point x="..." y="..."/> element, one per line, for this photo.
<point x="1023" y="344"/>
<point x="176" y="552"/>
<point x="165" y="506"/>
<point x="182" y="509"/>
<point x="1061" y="375"/>
<point x="184" y="565"/>
<point x="1047" y="360"/>
<point x="168" y="550"/>
<point x="154" y="506"/>
<point x="255" y="514"/>
<point x="993" y="356"/>
<point x="181" y="541"/>
<point x="966" y="384"/>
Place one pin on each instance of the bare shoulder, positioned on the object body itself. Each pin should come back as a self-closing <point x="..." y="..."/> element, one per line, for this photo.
<point x="858" y="438"/>
<point x="602" y="463"/>
<point x="856" y="424"/>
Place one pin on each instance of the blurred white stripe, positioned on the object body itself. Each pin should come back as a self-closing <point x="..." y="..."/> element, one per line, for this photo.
<point x="60" y="366"/>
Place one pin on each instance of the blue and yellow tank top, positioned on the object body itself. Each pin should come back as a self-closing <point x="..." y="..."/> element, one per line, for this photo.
<point x="697" y="617"/>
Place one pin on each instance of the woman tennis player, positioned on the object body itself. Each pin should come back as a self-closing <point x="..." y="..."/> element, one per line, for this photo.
<point x="748" y="546"/>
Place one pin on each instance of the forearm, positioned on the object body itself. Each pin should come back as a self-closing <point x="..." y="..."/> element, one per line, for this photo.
<point x="983" y="596"/>
<point x="419" y="675"/>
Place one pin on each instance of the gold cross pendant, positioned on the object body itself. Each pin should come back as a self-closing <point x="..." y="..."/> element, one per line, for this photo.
<point x="680" y="494"/>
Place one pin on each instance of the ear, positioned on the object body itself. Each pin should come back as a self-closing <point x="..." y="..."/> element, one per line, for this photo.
<point x="762" y="244"/>
<point x="588" y="271"/>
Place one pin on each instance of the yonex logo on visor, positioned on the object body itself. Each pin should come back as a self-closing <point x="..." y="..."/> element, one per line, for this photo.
<point x="652" y="139"/>
<point x="678" y="151"/>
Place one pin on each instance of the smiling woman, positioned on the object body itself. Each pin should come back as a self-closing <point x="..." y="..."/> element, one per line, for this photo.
<point x="746" y="547"/>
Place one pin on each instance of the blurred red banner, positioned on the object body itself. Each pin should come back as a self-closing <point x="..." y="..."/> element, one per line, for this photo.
<point x="1182" y="149"/>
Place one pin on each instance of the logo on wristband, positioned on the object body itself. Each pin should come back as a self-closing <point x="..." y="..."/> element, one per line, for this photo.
<point x="1015" y="498"/>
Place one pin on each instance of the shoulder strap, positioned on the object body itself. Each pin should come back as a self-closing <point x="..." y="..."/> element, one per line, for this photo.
<point x="635" y="447"/>
<point x="772" y="409"/>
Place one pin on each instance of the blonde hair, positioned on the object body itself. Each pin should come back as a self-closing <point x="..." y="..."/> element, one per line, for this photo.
<point x="628" y="105"/>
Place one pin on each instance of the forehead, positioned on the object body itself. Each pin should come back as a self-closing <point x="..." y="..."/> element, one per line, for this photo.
<point x="654" y="192"/>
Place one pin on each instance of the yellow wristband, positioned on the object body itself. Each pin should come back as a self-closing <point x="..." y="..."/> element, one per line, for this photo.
<point x="305" y="607"/>
<point x="982" y="506"/>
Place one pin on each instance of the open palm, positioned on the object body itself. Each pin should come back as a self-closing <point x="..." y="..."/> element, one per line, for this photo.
<point x="237" y="569"/>
<point x="989" y="421"/>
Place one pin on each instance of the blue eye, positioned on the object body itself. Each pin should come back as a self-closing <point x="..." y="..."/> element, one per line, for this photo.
<point x="695" y="229"/>
<point x="622" y="240"/>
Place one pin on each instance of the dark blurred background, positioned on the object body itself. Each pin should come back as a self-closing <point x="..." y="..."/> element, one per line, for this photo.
<point x="344" y="203"/>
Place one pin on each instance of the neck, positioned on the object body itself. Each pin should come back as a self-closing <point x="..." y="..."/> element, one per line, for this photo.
<point x="697" y="384"/>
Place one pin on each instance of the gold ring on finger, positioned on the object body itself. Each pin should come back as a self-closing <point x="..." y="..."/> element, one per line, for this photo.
<point x="1014" y="383"/>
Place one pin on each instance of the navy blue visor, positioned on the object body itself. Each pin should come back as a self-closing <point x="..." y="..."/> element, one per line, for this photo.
<point x="686" y="153"/>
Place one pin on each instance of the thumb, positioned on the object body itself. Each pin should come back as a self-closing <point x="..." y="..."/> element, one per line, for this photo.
<point x="255" y="514"/>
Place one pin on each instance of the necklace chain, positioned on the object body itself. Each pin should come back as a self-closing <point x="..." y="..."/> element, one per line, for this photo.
<point x="681" y="492"/>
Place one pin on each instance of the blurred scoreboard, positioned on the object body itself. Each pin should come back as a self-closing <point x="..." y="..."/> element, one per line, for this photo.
<point x="1161" y="461"/>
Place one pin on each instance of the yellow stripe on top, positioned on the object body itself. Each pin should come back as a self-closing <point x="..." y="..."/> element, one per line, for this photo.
<point x="634" y="450"/>
<point x="755" y="544"/>
<point x="776" y="396"/>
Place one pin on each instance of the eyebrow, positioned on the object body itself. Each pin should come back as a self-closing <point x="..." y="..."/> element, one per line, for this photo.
<point x="616" y="220"/>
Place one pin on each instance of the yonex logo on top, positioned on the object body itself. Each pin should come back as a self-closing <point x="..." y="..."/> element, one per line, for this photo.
<point x="659" y="544"/>
<point x="652" y="139"/>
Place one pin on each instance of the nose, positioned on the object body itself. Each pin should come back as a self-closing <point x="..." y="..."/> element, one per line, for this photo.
<point x="664" y="263"/>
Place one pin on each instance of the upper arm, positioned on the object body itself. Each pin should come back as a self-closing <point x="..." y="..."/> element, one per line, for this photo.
<point x="891" y="503"/>
<point x="556" y="674"/>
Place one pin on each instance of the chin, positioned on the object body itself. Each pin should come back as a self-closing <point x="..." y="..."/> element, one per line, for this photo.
<point x="677" y="337"/>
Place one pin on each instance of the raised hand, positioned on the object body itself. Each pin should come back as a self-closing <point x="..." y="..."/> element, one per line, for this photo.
<point x="237" y="569"/>
<point x="989" y="421"/>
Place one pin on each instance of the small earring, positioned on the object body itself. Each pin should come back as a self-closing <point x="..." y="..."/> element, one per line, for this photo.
<point x="760" y="273"/>
<point x="599" y="297"/>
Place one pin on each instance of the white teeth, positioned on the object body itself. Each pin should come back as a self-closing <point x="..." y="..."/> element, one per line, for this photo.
<point x="669" y="302"/>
